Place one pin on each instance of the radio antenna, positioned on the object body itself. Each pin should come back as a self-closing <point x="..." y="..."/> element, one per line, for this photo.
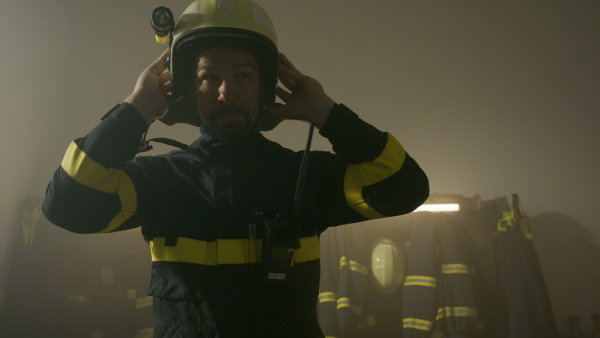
<point x="302" y="177"/>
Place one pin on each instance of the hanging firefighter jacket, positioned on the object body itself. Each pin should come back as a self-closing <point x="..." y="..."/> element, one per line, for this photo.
<point x="523" y="305"/>
<point x="344" y="300"/>
<point x="439" y="289"/>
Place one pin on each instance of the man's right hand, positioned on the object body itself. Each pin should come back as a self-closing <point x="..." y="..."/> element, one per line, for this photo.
<point x="154" y="83"/>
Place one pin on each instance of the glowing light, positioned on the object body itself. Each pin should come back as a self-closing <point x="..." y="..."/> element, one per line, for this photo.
<point x="439" y="207"/>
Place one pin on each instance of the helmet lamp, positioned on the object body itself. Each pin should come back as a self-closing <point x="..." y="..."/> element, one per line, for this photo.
<point x="162" y="22"/>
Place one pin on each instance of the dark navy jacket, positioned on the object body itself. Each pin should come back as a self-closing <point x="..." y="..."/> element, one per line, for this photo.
<point x="200" y="209"/>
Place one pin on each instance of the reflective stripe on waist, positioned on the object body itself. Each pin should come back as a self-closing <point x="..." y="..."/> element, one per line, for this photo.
<point x="224" y="251"/>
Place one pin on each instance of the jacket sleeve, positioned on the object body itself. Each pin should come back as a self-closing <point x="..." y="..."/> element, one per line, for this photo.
<point x="380" y="178"/>
<point x="91" y="191"/>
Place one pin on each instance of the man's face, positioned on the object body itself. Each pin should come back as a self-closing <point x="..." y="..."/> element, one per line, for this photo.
<point x="226" y="88"/>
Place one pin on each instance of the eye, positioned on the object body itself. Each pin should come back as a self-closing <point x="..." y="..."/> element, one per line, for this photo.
<point x="209" y="77"/>
<point x="244" y="75"/>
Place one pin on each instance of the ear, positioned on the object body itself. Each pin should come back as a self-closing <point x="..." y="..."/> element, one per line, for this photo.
<point x="189" y="94"/>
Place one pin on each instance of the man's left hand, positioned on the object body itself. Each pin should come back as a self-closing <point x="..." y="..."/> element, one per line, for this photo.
<point x="304" y="98"/>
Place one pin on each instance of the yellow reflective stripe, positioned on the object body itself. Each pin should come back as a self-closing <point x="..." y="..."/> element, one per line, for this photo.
<point x="327" y="297"/>
<point x="420" y="280"/>
<point x="224" y="251"/>
<point x="131" y="293"/>
<point x="458" y="311"/>
<point x="359" y="176"/>
<point x="455" y="268"/>
<point x="343" y="302"/>
<point x="418" y="324"/>
<point x="354" y="265"/>
<point x="357" y="267"/>
<point x="310" y="250"/>
<point x="143" y="302"/>
<point x="93" y="175"/>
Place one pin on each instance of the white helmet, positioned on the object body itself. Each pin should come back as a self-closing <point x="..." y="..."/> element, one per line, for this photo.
<point x="207" y="24"/>
<point x="387" y="266"/>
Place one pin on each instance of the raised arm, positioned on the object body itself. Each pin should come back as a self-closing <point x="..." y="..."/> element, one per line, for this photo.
<point x="92" y="190"/>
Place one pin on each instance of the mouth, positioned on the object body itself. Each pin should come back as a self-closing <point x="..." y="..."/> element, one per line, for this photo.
<point x="228" y="111"/>
<point x="229" y="118"/>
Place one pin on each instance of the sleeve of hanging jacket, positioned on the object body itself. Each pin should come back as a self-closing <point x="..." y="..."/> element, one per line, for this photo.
<point x="381" y="179"/>
<point x="91" y="191"/>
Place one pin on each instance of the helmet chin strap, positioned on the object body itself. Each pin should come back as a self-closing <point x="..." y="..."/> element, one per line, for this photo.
<point x="145" y="144"/>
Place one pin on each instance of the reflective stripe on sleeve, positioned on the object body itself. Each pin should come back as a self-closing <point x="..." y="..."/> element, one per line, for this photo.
<point x="224" y="251"/>
<point x="354" y="266"/>
<point x="343" y="302"/>
<point x="358" y="176"/>
<point x="325" y="297"/>
<point x="455" y="268"/>
<point x="418" y="324"/>
<point x="92" y="174"/>
<point x="458" y="311"/>
<point x="420" y="280"/>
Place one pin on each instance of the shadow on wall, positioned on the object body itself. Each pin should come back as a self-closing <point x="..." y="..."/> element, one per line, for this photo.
<point x="570" y="261"/>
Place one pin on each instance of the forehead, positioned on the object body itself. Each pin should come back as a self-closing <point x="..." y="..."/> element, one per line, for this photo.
<point x="226" y="58"/>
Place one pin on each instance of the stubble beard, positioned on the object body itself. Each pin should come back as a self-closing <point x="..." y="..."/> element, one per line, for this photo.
<point x="230" y="122"/>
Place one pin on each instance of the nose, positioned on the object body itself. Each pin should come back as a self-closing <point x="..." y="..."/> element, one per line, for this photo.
<point x="227" y="92"/>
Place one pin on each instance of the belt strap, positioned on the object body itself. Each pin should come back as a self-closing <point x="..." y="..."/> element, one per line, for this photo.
<point x="225" y="251"/>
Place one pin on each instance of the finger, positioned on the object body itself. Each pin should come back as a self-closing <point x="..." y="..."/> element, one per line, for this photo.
<point x="286" y="62"/>
<point x="284" y="95"/>
<point x="165" y="88"/>
<point x="158" y="66"/>
<point x="285" y="79"/>
<point x="292" y="74"/>
<point x="164" y="77"/>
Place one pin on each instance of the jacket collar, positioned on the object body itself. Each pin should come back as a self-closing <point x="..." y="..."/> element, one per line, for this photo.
<point x="208" y="139"/>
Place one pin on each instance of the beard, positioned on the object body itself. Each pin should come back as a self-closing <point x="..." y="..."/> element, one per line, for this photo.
<point x="229" y="122"/>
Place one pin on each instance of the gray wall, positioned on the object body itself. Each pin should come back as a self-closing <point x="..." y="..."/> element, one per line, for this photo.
<point x="491" y="98"/>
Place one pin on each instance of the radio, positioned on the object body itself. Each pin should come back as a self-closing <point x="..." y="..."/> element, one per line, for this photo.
<point x="280" y="242"/>
<point x="282" y="236"/>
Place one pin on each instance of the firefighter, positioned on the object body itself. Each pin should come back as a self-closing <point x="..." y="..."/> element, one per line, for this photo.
<point x="211" y="211"/>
